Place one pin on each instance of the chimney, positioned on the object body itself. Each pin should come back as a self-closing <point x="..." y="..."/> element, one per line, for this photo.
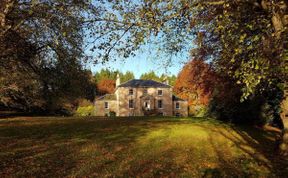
<point x="118" y="82"/>
<point x="166" y="81"/>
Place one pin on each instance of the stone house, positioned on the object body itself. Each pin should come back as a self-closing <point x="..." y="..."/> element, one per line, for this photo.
<point x="141" y="98"/>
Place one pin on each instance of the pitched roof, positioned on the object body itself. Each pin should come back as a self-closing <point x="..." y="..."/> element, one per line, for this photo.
<point x="107" y="97"/>
<point x="176" y="98"/>
<point x="136" y="83"/>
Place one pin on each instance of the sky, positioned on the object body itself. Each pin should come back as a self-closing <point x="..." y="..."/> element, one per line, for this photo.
<point x="147" y="59"/>
<point x="142" y="63"/>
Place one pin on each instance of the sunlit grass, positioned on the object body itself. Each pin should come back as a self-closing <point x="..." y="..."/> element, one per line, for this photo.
<point x="129" y="147"/>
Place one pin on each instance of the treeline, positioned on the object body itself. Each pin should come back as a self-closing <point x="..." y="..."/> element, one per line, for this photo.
<point x="105" y="79"/>
<point x="218" y="95"/>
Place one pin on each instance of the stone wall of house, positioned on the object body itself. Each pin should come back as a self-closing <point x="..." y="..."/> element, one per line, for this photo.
<point x="182" y="110"/>
<point x="124" y="97"/>
<point x="100" y="109"/>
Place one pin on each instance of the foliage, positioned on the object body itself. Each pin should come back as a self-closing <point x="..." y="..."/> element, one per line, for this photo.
<point x="162" y="78"/>
<point x="85" y="111"/>
<point x="44" y="49"/>
<point x="195" y="83"/>
<point x="245" y="39"/>
<point x="112" y="75"/>
<point x="260" y="108"/>
<point x="105" y="80"/>
<point x="105" y="86"/>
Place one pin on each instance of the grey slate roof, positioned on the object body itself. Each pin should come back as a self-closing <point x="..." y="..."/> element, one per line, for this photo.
<point x="137" y="83"/>
<point x="107" y="97"/>
<point x="176" y="98"/>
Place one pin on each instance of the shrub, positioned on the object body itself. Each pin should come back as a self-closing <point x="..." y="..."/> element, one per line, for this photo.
<point x="85" y="111"/>
<point x="112" y="114"/>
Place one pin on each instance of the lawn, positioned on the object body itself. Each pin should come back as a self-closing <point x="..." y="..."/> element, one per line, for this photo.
<point x="135" y="147"/>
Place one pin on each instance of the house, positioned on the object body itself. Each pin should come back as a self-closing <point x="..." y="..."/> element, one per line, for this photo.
<point x="141" y="98"/>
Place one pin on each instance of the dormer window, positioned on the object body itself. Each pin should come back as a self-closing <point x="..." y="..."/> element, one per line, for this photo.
<point x="160" y="92"/>
<point x="130" y="91"/>
<point x="145" y="91"/>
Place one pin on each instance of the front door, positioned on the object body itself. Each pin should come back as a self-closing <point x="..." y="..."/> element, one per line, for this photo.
<point x="147" y="105"/>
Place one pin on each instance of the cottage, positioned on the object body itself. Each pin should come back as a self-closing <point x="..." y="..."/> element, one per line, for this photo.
<point x="141" y="98"/>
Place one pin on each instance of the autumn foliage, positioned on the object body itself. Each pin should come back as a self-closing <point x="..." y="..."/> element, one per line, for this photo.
<point x="105" y="86"/>
<point x="195" y="83"/>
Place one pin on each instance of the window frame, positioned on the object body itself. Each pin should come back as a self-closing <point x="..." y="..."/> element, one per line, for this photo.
<point x="106" y="102"/>
<point x="131" y="92"/>
<point x="129" y="106"/>
<point x="177" y="104"/>
<point x="161" y="101"/>
<point x="161" y="92"/>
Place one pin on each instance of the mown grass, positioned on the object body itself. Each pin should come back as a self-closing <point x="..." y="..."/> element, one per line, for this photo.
<point x="131" y="147"/>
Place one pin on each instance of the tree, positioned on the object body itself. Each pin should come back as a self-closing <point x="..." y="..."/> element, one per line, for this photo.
<point x="162" y="78"/>
<point x="105" y="80"/>
<point x="106" y="86"/>
<point x="44" y="48"/>
<point x="196" y="83"/>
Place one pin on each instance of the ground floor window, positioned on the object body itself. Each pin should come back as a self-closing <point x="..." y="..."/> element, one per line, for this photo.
<point x="160" y="104"/>
<point x="177" y="105"/>
<point x="177" y="114"/>
<point x="106" y="105"/>
<point x="131" y="104"/>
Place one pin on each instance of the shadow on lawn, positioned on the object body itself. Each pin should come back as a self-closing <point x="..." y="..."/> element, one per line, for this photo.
<point x="264" y="144"/>
<point x="47" y="148"/>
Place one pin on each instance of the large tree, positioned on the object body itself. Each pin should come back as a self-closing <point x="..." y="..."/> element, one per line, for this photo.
<point x="196" y="83"/>
<point x="41" y="52"/>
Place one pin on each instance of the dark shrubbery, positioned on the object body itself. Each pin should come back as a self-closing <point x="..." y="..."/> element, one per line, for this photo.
<point x="260" y="108"/>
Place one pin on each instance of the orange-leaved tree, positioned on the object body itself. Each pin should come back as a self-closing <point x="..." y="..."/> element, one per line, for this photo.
<point x="105" y="86"/>
<point x="195" y="83"/>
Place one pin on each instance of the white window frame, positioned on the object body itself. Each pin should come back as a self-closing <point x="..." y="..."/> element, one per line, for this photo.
<point x="177" y="103"/>
<point x="161" y="92"/>
<point x="132" y="104"/>
<point x="161" y="104"/>
<point x="107" y="105"/>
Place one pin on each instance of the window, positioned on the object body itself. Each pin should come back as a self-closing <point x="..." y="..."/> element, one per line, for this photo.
<point x="160" y="92"/>
<point x="130" y="91"/>
<point x="131" y="104"/>
<point x="160" y="104"/>
<point x="177" y="114"/>
<point x="106" y="105"/>
<point x="177" y="106"/>
<point x="145" y="92"/>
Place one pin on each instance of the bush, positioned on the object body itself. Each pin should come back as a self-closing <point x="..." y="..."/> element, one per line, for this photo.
<point x="85" y="111"/>
<point x="112" y="114"/>
<point x="201" y="111"/>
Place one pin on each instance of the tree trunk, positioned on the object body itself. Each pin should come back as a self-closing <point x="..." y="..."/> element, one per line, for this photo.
<point x="284" y="143"/>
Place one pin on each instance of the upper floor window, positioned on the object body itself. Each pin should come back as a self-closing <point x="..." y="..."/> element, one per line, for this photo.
<point x="160" y="104"/>
<point x="145" y="91"/>
<point x="131" y="104"/>
<point x="130" y="91"/>
<point x="160" y="92"/>
<point x="106" y="105"/>
<point x="177" y="105"/>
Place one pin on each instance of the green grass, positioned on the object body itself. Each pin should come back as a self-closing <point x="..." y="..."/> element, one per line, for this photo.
<point x="131" y="147"/>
